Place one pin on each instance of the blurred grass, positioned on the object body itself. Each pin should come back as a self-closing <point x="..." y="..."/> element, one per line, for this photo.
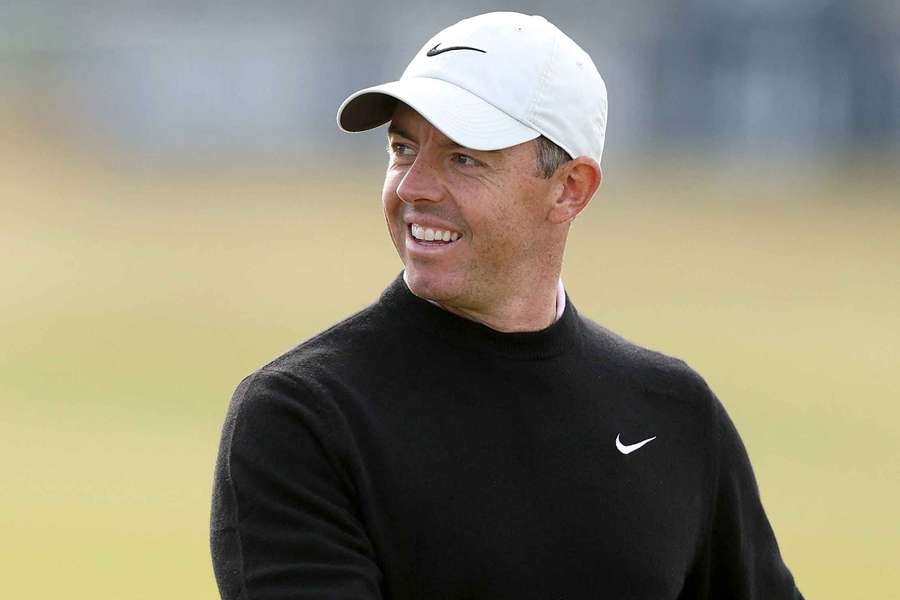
<point x="132" y="303"/>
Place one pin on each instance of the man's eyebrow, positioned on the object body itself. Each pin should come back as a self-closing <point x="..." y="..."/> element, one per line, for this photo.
<point x="400" y="132"/>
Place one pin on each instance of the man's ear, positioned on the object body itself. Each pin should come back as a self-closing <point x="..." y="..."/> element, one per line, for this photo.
<point x="577" y="180"/>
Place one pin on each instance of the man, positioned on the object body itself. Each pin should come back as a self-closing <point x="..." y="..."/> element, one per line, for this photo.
<point x="470" y="435"/>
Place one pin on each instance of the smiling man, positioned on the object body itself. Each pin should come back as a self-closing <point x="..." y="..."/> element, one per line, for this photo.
<point x="470" y="434"/>
<point x="480" y="232"/>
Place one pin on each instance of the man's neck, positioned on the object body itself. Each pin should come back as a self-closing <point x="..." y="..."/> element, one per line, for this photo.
<point x="533" y="313"/>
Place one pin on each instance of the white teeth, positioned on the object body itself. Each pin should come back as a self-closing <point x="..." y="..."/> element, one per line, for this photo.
<point x="433" y="235"/>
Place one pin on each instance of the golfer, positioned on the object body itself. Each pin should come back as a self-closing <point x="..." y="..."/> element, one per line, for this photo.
<point x="470" y="435"/>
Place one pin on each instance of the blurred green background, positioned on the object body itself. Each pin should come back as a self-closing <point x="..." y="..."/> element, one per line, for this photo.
<point x="177" y="208"/>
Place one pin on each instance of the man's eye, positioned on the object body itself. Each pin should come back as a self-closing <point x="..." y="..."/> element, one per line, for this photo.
<point x="400" y="149"/>
<point x="465" y="160"/>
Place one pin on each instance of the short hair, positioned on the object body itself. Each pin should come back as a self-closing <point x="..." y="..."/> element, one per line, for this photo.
<point x="549" y="157"/>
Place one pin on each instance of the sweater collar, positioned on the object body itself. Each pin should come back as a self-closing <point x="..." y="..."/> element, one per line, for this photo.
<point x="560" y="297"/>
<point x="410" y="310"/>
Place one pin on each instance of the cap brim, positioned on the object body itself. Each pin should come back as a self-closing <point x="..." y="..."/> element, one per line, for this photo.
<point x="457" y="113"/>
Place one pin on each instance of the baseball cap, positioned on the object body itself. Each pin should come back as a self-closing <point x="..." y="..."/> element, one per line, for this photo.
<point x="493" y="81"/>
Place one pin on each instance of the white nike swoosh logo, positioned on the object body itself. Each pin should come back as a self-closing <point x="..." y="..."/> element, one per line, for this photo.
<point x="631" y="447"/>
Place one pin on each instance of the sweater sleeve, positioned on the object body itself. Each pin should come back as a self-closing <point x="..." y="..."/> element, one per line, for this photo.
<point x="740" y="559"/>
<point x="284" y="523"/>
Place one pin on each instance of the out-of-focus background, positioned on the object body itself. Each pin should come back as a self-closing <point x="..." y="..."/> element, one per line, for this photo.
<point x="177" y="207"/>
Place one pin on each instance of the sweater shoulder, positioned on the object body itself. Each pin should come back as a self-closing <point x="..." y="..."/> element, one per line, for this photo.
<point x="303" y="388"/>
<point x="650" y="369"/>
<point x="341" y="346"/>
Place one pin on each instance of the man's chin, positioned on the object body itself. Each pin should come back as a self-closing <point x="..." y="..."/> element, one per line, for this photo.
<point x="429" y="286"/>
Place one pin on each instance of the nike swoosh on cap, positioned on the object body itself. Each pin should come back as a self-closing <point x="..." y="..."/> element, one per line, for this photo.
<point x="434" y="50"/>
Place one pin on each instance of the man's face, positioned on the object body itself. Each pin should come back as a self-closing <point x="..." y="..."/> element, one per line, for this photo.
<point x="489" y="210"/>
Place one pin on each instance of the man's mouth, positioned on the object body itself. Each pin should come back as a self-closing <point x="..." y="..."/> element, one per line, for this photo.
<point x="435" y="236"/>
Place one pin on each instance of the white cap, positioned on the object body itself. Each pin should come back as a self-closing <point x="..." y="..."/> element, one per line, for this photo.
<point x="494" y="81"/>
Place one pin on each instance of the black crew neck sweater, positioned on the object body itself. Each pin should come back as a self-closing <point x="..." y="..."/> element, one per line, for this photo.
<point x="409" y="453"/>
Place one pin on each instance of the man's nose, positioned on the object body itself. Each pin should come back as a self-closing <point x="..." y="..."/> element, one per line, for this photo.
<point x="422" y="182"/>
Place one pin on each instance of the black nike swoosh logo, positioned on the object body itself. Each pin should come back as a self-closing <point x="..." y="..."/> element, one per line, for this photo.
<point x="434" y="51"/>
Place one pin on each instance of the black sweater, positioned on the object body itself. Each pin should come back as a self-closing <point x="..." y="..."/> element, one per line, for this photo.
<point x="408" y="453"/>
